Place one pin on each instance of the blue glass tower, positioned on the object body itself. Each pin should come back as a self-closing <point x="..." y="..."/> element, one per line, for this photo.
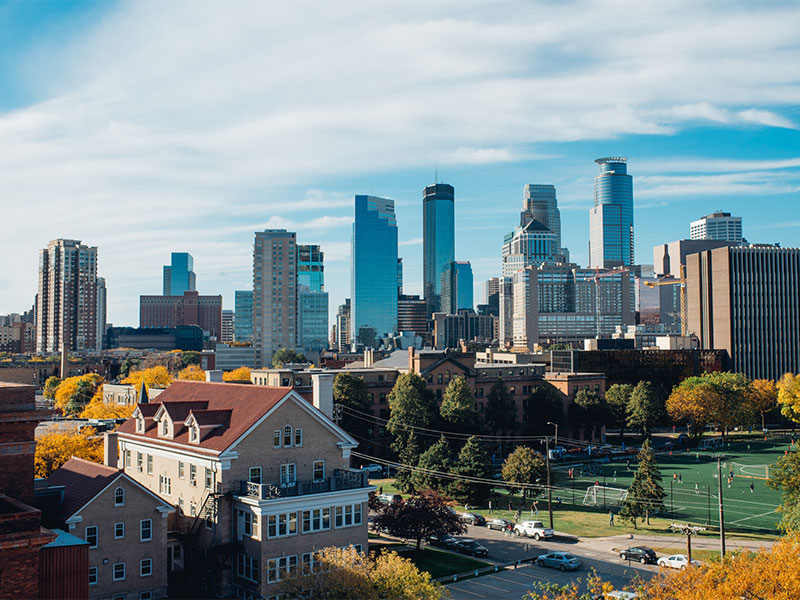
<point x="311" y="267"/>
<point x="373" y="271"/>
<point x="179" y="276"/>
<point x="438" y="240"/>
<point x="456" y="287"/>
<point x="243" y="316"/>
<point x="611" y="217"/>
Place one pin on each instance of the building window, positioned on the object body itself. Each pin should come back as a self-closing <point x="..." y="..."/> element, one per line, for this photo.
<point x="248" y="524"/>
<point x="277" y="568"/>
<point x="209" y="479"/>
<point x="145" y="567"/>
<point x="247" y="567"/>
<point x="317" y="519"/>
<point x="164" y="428"/>
<point x="119" y="572"/>
<point x="310" y="562"/>
<point x="145" y="530"/>
<point x="128" y="458"/>
<point x="146" y="595"/>
<point x="119" y="497"/>
<point x="288" y="475"/>
<point x="192" y="434"/>
<point x="92" y="575"/>
<point x="255" y="475"/>
<point x="347" y="515"/>
<point x="287" y="436"/>
<point x="276" y="438"/>
<point x="181" y="468"/>
<point x="139" y="462"/>
<point x="192" y="509"/>
<point x="193" y="474"/>
<point x="281" y="525"/>
<point x="119" y="531"/>
<point x="149" y="464"/>
<point x="298" y="437"/>
<point x="319" y="470"/>
<point x="164" y="485"/>
<point x="91" y="536"/>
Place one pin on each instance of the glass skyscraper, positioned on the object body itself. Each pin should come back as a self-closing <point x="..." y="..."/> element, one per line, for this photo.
<point x="457" y="287"/>
<point x="373" y="271"/>
<point x="243" y="316"/>
<point x="310" y="267"/>
<point x="312" y="299"/>
<point x="611" y="217"/>
<point x="438" y="239"/>
<point x="179" y="276"/>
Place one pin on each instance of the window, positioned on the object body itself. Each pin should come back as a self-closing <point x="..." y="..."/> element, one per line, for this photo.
<point x="317" y="519"/>
<point x="209" y="479"/>
<point x="164" y="428"/>
<point x="119" y="497"/>
<point x="298" y="437"/>
<point x="319" y="470"/>
<point x="248" y="524"/>
<point x="193" y="474"/>
<point x="192" y="433"/>
<point x="310" y="562"/>
<point x="247" y="567"/>
<point x="139" y="462"/>
<point x="181" y="469"/>
<point x="192" y="509"/>
<point x="146" y="595"/>
<point x="276" y="438"/>
<point x="288" y="475"/>
<point x="165" y="485"/>
<point x="119" y="572"/>
<point x="145" y="530"/>
<point x="92" y="575"/>
<point x="149" y="464"/>
<point x="279" y="567"/>
<point x="282" y="525"/>
<point x="91" y="536"/>
<point x="119" y="531"/>
<point x="287" y="436"/>
<point x="127" y="458"/>
<point x="145" y="567"/>
<point x="255" y="475"/>
<point x="139" y="425"/>
<point x="347" y="515"/>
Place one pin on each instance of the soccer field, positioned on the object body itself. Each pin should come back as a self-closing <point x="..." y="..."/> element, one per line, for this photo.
<point x="690" y="481"/>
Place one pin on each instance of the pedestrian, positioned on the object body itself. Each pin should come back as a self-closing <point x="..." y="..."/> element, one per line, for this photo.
<point x="680" y="477"/>
<point x="674" y="478"/>
<point x="610" y="518"/>
<point x="597" y="482"/>
<point x="615" y="475"/>
<point x="509" y="506"/>
<point x="729" y="482"/>
<point x="752" y="487"/>
<point x="490" y="507"/>
<point x="380" y="490"/>
<point x="696" y="489"/>
<point x="535" y="507"/>
<point x="517" y="516"/>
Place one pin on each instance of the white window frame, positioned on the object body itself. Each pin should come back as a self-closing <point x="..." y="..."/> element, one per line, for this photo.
<point x="140" y="462"/>
<point x="96" y="536"/>
<point x="278" y="567"/>
<point x="209" y="478"/>
<point x="193" y="474"/>
<point x="251" y="477"/>
<point x="164" y="485"/>
<point x="181" y="470"/>
<point x="128" y="459"/>
<point x="149" y="563"/>
<point x="149" y="464"/>
<point x="117" y="529"/>
<point x="149" y="522"/>
<point x="315" y="520"/>
<point x="119" y="492"/>
<point x="114" y="572"/>
<point x="287" y="436"/>
<point x="276" y="438"/>
<point x="247" y="565"/>
<point x="288" y="474"/>
<point x="93" y="572"/>
<point x="298" y="438"/>
<point x="314" y="464"/>
<point x="282" y="524"/>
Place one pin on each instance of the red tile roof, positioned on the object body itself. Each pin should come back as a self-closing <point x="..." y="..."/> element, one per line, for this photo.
<point x="246" y="403"/>
<point x="83" y="480"/>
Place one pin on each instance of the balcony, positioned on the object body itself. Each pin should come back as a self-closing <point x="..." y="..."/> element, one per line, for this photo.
<point x="341" y="480"/>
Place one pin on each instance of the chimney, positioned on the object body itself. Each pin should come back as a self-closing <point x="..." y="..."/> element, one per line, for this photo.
<point x="64" y="372"/>
<point x="369" y="358"/>
<point x="411" y="359"/>
<point x="214" y="376"/>
<point x="110" y="449"/>
<point x="322" y="387"/>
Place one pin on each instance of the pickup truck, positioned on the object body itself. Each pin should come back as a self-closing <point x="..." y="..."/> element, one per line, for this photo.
<point x="534" y="529"/>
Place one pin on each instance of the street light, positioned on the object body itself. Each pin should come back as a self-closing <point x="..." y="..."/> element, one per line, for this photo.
<point x="555" y="443"/>
<point x="549" y="487"/>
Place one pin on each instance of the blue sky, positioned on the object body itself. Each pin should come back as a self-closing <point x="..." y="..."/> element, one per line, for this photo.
<point x="146" y="128"/>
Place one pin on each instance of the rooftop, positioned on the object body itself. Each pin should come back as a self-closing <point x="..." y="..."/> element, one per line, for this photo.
<point x="82" y="480"/>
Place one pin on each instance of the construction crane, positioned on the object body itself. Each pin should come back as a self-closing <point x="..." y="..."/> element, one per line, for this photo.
<point x="597" y="277"/>
<point x="681" y="282"/>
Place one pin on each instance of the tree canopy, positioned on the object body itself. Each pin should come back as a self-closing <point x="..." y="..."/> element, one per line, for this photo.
<point x="472" y="461"/>
<point x="73" y="393"/>
<point x="545" y="404"/>
<point x="420" y="516"/>
<point x="458" y="410"/>
<point x="157" y="376"/>
<point x="763" y="397"/>
<point x="437" y="457"/>
<point x="590" y="410"/>
<point x="286" y="356"/>
<point x="784" y="476"/>
<point x="789" y="396"/>
<point x="50" y="387"/>
<point x="644" y="408"/>
<point x="525" y="466"/>
<point x="350" y="391"/>
<point x="617" y="398"/>
<point x="411" y="405"/>
<point x="55" y="448"/>
<point x="501" y="410"/>
<point x="713" y="398"/>
<point x="192" y="373"/>
<point x="240" y="374"/>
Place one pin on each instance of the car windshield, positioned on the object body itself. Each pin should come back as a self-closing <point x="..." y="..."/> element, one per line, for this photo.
<point x="569" y="556"/>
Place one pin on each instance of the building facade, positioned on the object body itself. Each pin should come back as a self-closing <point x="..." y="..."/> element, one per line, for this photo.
<point x="312" y="319"/>
<point x="228" y="326"/>
<point x="412" y="315"/>
<point x="343" y="326"/>
<point x="717" y="226"/>
<point x="438" y="239"/>
<point x="456" y="289"/>
<point x="311" y="267"/>
<point x="189" y="309"/>
<point x="611" y="217"/>
<point x="243" y="316"/>
<point x="179" y="275"/>
<point x="373" y="279"/>
<point x="449" y="330"/>
<point x="668" y="258"/>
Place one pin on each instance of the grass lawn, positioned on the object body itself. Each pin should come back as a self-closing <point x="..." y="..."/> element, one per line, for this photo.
<point x="441" y="564"/>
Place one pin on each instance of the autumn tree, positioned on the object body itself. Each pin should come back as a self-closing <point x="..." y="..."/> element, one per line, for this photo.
<point x="74" y="393"/>
<point x="784" y="476"/>
<point x="472" y="462"/>
<point x="157" y="376"/>
<point x="50" y="387"/>
<point x="351" y="393"/>
<point x="712" y="398"/>
<point x="285" y="356"/>
<point x="763" y="398"/>
<point x="458" y="410"/>
<point x="420" y="516"/>
<point x="240" y="374"/>
<point x="524" y="466"/>
<point x="192" y="373"/>
<point x="617" y="398"/>
<point x="644" y="408"/>
<point x="438" y="458"/>
<point x="501" y="410"/>
<point x="645" y="494"/>
<point x="789" y="396"/>
<point x="56" y="448"/>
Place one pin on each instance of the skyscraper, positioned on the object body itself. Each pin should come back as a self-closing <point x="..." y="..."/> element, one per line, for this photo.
<point x="717" y="226"/>
<point x="457" y="287"/>
<point x="228" y="324"/>
<point x="343" y="327"/>
<point x="611" y="217"/>
<point x="311" y="267"/>
<point x="274" y="293"/>
<point x="66" y="305"/>
<point x="179" y="275"/>
<point x="243" y="315"/>
<point x="540" y="204"/>
<point x="373" y="271"/>
<point x="438" y="239"/>
<point x="102" y="310"/>
<point x="312" y="299"/>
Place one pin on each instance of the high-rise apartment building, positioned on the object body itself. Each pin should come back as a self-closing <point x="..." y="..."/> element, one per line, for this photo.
<point x="274" y="293"/>
<point x="717" y="226"/>
<point x="611" y="217"/>
<point x="373" y="271"/>
<point x="343" y="327"/>
<point x="438" y="239"/>
<point x="179" y="275"/>
<point x="243" y="315"/>
<point x="66" y="304"/>
<point x="102" y="310"/>
<point x="228" y="326"/>
<point x="746" y="300"/>
<point x="491" y="295"/>
<point x="412" y="315"/>
<point x="190" y="308"/>
<point x="457" y="287"/>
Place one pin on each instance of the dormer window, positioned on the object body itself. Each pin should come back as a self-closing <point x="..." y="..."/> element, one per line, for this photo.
<point x="193" y="435"/>
<point x="140" y="425"/>
<point x="164" y="428"/>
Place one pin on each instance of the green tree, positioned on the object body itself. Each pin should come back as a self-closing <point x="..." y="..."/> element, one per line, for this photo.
<point x="286" y="356"/>
<point x="644" y="408"/>
<point x="424" y="514"/>
<point x="458" y="410"/>
<point x="617" y="398"/>
<point x="719" y="398"/>
<point x="590" y="409"/>
<point x="501" y="410"/>
<point x="645" y="494"/>
<point x="350" y="391"/>
<point x="408" y="455"/>
<point x="439" y="457"/>
<point x="544" y="405"/>
<point x="472" y="461"/>
<point x="784" y="476"/>
<point x="524" y="466"/>
<point x="50" y="387"/>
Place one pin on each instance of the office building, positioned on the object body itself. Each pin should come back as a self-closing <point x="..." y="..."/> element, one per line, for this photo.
<point x="373" y="280"/>
<point x="228" y="358"/>
<point x="449" y="330"/>
<point x="228" y="326"/>
<point x="456" y="287"/>
<point x="343" y="327"/>
<point x="438" y="239"/>
<point x="181" y="337"/>
<point x="188" y="309"/>
<point x="506" y="320"/>
<point x="66" y="304"/>
<point x="746" y="300"/>
<point x="311" y="267"/>
<point x="491" y="295"/>
<point x="412" y="315"/>
<point x="274" y="293"/>
<point x="668" y="258"/>
<point x="530" y="244"/>
<point x="312" y="319"/>
<point x="399" y="277"/>
<point x="717" y="226"/>
<point x="179" y="275"/>
<point x="243" y="316"/>
<point x="540" y="204"/>
<point x="611" y="217"/>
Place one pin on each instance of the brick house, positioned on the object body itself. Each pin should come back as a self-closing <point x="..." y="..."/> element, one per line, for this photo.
<point x="260" y="477"/>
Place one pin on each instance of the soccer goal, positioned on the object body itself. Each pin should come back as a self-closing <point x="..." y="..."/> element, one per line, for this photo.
<point x="750" y="471"/>
<point x="603" y="495"/>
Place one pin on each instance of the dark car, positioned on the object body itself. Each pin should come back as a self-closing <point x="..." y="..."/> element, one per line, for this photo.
<point x="499" y="524"/>
<point x="443" y="540"/>
<point x="472" y="518"/>
<point x="641" y="553"/>
<point x="468" y="546"/>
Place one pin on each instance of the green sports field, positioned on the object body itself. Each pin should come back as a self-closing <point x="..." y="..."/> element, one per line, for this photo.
<point x="690" y="481"/>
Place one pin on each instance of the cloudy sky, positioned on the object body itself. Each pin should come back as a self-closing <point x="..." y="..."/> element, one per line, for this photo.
<point x="150" y="127"/>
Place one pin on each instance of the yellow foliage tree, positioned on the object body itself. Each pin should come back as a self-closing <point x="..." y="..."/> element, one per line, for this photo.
<point x="763" y="397"/>
<point x="789" y="396"/>
<point x="152" y="377"/>
<point x="240" y="374"/>
<point x="54" y="449"/>
<point x="97" y="409"/>
<point x="78" y="389"/>
<point x="192" y="373"/>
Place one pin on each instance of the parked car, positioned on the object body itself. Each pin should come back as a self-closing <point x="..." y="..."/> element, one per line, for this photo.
<point x="468" y="546"/>
<point x="499" y="524"/>
<point x="534" y="529"/>
<point x="443" y="540"/>
<point x="559" y="560"/>
<point x="641" y="553"/>
<point x="387" y="498"/>
<point x="676" y="561"/>
<point x="472" y="518"/>
<point x="374" y="469"/>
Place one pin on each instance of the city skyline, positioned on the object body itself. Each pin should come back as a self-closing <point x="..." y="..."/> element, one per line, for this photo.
<point x="138" y="174"/>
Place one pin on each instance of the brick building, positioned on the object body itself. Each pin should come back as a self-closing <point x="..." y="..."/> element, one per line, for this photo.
<point x="189" y="309"/>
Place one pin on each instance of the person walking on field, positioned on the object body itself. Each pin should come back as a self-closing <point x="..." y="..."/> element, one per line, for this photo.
<point x="610" y="518"/>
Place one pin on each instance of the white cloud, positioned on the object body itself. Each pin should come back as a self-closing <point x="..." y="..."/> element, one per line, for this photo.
<point x="412" y="242"/>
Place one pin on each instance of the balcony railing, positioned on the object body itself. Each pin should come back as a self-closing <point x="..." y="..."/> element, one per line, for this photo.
<point x="341" y="480"/>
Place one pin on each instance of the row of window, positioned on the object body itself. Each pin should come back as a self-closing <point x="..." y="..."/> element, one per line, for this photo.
<point x="288" y="473"/>
<point x="92" y="534"/>
<point x="277" y="568"/>
<point x="119" y="571"/>
<point x="284" y="438"/>
<point x="165" y="483"/>
<point x="285" y="524"/>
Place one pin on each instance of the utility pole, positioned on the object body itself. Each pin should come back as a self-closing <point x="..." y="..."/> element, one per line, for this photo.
<point x="688" y="531"/>
<point x="721" y="513"/>
<point x="549" y="488"/>
<point x="555" y="442"/>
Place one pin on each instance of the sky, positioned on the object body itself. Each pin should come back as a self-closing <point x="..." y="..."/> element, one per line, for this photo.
<point x="144" y="128"/>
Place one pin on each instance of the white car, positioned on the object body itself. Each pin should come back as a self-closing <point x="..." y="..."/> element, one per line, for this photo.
<point x="534" y="529"/>
<point x="373" y="470"/>
<point x="676" y="561"/>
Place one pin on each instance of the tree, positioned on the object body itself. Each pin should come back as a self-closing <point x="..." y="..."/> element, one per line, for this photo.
<point x="54" y="449"/>
<point x="240" y="374"/>
<point x="545" y="404"/>
<point x="128" y="364"/>
<point x="719" y="398"/>
<point x="784" y="476"/>
<point x="157" y="376"/>
<point x="101" y="410"/>
<point x="192" y="373"/>
<point x="50" y="387"/>
<point x="458" y="409"/>
<point x="420" y="516"/>
<point x="436" y="458"/>
<point x="408" y="455"/>
<point x="75" y="392"/>
<point x="644" y="409"/>
<point x="645" y="495"/>
<point x="344" y="573"/>
<point x="789" y="396"/>
<point x="617" y="398"/>
<point x="472" y="461"/>
<point x="590" y="410"/>
<point x="286" y="356"/>
<point x="501" y="410"/>
<point x="411" y="405"/>
<point x="524" y="466"/>
<point x="350" y="391"/>
<point x="763" y="398"/>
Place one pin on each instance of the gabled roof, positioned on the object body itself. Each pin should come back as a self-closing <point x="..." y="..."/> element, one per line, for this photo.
<point x="82" y="480"/>
<point x="450" y="359"/>
<point x="535" y="225"/>
<point x="211" y="417"/>
<point x="148" y="410"/>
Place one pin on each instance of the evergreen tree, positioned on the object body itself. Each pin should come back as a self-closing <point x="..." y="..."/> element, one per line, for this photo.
<point x="544" y="405"/>
<point x="524" y="466"/>
<point x="473" y="461"/>
<point x="458" y="410"/>
<point x="350" y="391"/>
<point x="645" y="495"/>
<point x="617" y="398"/>
<point x="501" y="410"/>
<point x="409" y="455"/>
<point x="644" y="408"/>
<point x="411" y="405"/>
<point x="438" y="457"/>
